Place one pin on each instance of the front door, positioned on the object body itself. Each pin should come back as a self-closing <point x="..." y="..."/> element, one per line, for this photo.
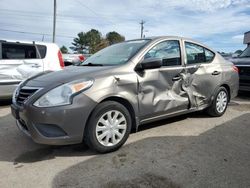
<point x="160" y="90"/>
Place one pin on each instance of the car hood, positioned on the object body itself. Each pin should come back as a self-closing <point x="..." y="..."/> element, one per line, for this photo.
<point x="241" y="61"/>
<point x="69" y="74"/>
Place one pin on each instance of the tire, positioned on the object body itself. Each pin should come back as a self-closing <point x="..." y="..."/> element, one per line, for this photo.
<point x="217" y="108"/>
<point x="113" y="122"/>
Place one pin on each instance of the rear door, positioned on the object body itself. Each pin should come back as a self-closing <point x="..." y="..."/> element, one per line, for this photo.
<point x="204" y="74"/>
<point x="19" y="61"/>
<point x="160" y="89"/>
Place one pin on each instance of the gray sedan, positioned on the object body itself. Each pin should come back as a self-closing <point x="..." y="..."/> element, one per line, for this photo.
<point x="122" y="87"/>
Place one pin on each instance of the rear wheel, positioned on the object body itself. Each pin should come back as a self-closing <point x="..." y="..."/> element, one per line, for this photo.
<point x="220" y="103"/>
<point x="108" y="127"/>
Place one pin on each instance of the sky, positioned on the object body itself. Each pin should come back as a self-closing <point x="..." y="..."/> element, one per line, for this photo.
<point x="219" y="24"/>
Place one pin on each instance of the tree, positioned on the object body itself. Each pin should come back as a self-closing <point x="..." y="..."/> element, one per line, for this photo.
<point x="93" y="39"/>
<point x="86" y="42"/>
<point x="114" y="37"/>
<point x="103" y="44"/>
<point x="79" y="43"/>
<point x="64" y="49"/>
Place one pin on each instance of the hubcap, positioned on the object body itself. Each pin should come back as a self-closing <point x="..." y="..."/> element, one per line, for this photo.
<point x="221" y="101"/>
<point x="111" y="128"/>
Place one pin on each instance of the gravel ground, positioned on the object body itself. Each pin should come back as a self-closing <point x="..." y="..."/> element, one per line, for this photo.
<point x="193" y="150"/>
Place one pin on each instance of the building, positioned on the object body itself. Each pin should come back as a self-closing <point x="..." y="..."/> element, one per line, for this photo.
<point x="247" y="38"/>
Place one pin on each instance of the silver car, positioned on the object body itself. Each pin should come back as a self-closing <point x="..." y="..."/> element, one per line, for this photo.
<point x="122" y="87"/>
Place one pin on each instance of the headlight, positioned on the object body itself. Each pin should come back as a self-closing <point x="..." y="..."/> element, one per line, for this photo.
<point x="62" y="95"/>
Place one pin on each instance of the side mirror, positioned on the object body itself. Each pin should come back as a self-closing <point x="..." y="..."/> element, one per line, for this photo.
<point x="149" y="63"/>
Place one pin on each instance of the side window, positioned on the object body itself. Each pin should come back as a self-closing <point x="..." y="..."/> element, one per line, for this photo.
<point x="209" y="55"/>
<point x="198" y="54"/>
<point x="169" y="51"/>
<point x="195" y="53"/>
<point x="18" y="51"/>
<point x="42" y="50"/>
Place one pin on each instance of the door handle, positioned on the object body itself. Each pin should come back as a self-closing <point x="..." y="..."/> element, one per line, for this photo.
<point x="176" y="78"/>
<point x="216" y="73"/>
<point x="36" y="66"/>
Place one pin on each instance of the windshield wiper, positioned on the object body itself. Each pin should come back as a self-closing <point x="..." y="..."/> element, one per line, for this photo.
<point x="92" y="64"/>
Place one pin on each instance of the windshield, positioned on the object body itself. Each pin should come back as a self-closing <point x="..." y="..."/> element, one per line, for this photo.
<point x="116" y="54"/>
<point x="245" y="53"/>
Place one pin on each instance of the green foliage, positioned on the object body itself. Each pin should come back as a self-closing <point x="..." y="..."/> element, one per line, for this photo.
<point x="79" y="43"/>
<point x="114" y="37"/>
<point x="103" y="44"/>
<point x="92" y="41"/>
<point x="64" y="49"/>
<point x="93" y="38"/>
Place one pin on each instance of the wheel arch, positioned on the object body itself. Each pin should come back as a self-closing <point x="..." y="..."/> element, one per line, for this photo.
<point x="226" y="86"/>
<point x="228" y="89"/>
<point x="124" y="102"/>
<point x="129" y="107"/>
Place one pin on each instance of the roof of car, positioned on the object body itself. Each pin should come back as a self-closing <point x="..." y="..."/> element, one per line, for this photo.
<point x="157" y="38"/>
<point x="161" y="37"/>
<point x="167" y="37"/>
<point x="26" y="42"/>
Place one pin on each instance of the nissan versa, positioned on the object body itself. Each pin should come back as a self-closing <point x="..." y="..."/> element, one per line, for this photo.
<point x="121" y="87"/>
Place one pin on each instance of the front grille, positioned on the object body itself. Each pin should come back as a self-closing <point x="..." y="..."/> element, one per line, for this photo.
<point x="244" y="71"/>
<point x="24" y="94"/>
<point x="245" y="82"/>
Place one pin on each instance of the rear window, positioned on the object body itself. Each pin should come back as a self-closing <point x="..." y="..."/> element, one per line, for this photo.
<point x="42" y="50"/>
<point x="18" y="51"/>
<point x="209" y="55"/>
<point x="198" y="54"/>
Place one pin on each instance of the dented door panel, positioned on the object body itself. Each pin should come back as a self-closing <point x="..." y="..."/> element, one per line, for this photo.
<point x="160" y="90"/>
<point x="20" y="69"/>
<point x="8" y="70"/>
<point x="17" y="64"/>
<point x="204" y="72"/>
<point x="159" y="93"/>
<point x="204" y="82"/>
<point x="177" y="88"/>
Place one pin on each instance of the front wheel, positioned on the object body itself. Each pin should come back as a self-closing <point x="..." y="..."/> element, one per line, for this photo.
<point x="108" y="127"/>
<point x="219" y="104"/>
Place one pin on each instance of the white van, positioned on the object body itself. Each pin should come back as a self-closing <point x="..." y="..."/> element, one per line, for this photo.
<point x="20" y="60"/>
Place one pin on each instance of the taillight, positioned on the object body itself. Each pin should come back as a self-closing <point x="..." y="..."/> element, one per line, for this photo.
<point x="235" y="69"/>
<point x="60" y="58"/>
<point x="81" y="57"/>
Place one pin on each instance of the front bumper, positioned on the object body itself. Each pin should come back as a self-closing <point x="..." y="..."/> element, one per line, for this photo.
<point x="245" y="82"/>
<point x="244" y="74"/>
<point x="6" y="90"/>
<point x="55" y="125"/>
